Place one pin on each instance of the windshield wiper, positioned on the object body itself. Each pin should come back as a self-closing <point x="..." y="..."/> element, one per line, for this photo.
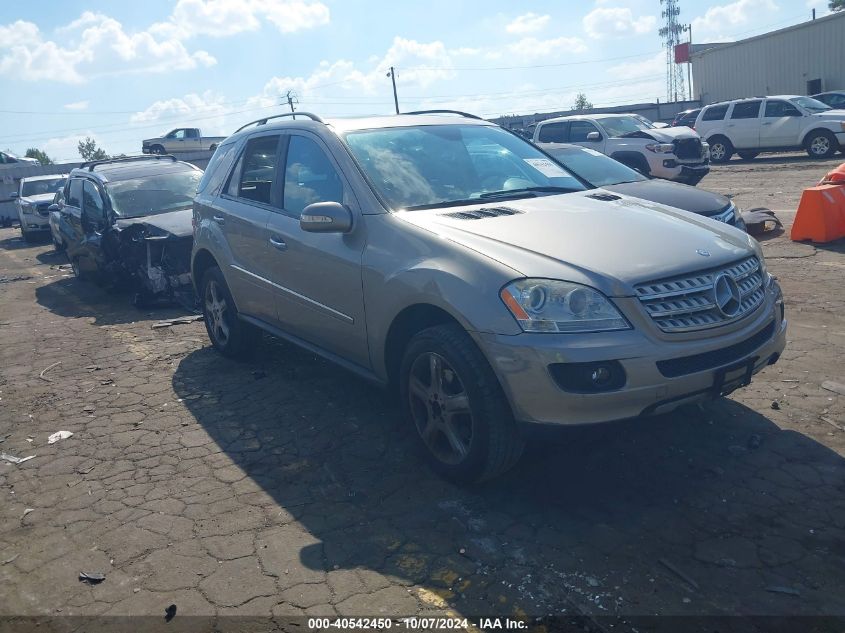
<point x="526" y="191"/>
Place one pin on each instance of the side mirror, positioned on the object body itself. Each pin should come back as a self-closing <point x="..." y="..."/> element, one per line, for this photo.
<point x="326" y="217"/>
<point x="593" y="136"/>
<point x="13" y="195"/>
<point x="53" y="207"/>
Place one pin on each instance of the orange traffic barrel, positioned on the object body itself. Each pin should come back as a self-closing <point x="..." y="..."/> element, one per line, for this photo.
<point x="821" y="214"/>
<point x="835" y="176"/>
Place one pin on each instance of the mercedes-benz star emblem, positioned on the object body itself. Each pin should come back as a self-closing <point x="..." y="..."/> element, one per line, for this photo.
<point x="727" y="295"/>
<point x="703" y="253"/>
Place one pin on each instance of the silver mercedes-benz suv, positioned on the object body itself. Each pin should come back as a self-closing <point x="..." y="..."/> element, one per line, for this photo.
<point x="455" y="261"/>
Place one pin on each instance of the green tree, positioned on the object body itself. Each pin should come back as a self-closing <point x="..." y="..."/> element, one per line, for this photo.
<point x="89" y="151"/>
<point x="39" y="155"/>
<point x="581" y="102"/>
<point x="837" y="5"/>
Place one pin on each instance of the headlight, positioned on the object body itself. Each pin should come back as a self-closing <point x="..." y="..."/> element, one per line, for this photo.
<point x="660" y="148"/>
<point x="547" y="305"/>
<point x="842" y="123"/>
<point x="27" y="208"/>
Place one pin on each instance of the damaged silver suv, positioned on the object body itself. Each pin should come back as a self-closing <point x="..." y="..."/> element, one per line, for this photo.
<point x="455" y="261"/>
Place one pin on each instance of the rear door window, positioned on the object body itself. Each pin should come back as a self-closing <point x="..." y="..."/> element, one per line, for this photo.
<point x="553" y="133"/>
<point x="746" y="110"/>
<point x="715" y="113"/>
<point x="253" y="176"/>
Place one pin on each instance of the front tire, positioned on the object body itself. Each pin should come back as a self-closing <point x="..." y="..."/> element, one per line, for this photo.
<point x="58" y="246"/>
<point x="26" y="235"/>
<point x="821" y="144"/>
<point x="229" y="335"/>
<point x="721" y="149"/>
<point x="457" y="407"/>
<point x="157" y="149"/>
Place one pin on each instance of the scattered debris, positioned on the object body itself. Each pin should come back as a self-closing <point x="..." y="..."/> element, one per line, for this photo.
<point x="835" y="387"/>
<point x="88" y="408"/>
<point x="85" y="471"/>
<point x="108" y="381"/>
<point x="790" y="380"/>
<point x="46" y="369"/>
<point x="91" y="577"/>
<point x="3" y="438"/>
<point x="761" y="220"/>
<point x="177" y="321"/>
<point x="11" y="560"/>
<point x="754" y="442"/>
<point x="91" y="368"/>
<point x="775" y="405"/>
<point x="831" y="423"/>
<point x="58" y="435"/>
<point x="27" y="511"/>
<point x="170" y="613"/>
<point x="787" y="590"/>
<point x="6" y="280"/>
<point x="736" y="450"/>
<point x="680" y="574"/>
<point x="15" y="460"/>
<point x="592" y="581"/>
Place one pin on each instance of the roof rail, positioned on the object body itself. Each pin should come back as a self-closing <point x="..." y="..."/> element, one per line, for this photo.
<point x="464" y="114"/>
<point x="126" y="159"/>
<point x="313" y="117"/>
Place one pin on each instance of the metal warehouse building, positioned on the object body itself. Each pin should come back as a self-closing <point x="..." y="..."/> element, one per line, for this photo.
<point x="807" y="58"/>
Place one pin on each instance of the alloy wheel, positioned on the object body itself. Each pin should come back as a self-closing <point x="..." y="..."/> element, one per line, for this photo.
<point x="440" y="408"/>
<point x="717" y="151"/>
<point x="215" y="312"/>
<point x="820" y="145"/>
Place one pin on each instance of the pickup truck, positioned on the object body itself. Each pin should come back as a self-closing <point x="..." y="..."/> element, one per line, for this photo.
<point x="182" y="139"/>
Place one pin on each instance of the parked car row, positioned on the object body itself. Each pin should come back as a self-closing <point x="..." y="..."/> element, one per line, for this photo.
<point x="491" y="284"/>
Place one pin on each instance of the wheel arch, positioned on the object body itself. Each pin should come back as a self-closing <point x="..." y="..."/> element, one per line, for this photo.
<point x="634" y="160"/>
<point x="201" y="262"/>
<point x="809" y="133"/>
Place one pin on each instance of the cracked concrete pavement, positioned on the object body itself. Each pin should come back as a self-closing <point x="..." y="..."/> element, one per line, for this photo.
<point x="286" y="486"/>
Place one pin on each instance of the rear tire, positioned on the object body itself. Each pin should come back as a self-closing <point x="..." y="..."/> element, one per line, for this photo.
<point x="821" y="144"/>
<point x="748" y="155"/>
<point x="229" y="335"/>
<point x="721" y="149"/>
<point x="457" y="407"/>
<point x="26" y="235"/>
<point x="80" y="274"/>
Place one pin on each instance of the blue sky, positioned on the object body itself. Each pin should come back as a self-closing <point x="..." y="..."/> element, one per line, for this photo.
<point x="122" y="71"/>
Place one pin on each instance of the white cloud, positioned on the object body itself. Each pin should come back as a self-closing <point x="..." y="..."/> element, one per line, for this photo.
<point x="65" y="148"/>
<point x="93" y="45"/>
<point x="76" y="105"/>
<point x="720" y="21"/>
<point x="616" y="22"/>
<point x="528" y="23"/>
<point x="651" y="67"/>
<point x="531" y="48"/>
<point x="220" y="18"/>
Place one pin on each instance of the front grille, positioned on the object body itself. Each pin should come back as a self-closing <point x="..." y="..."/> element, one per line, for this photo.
<point x="717" y="358"/>
<point x="478" y="214"/>
<point x="725" y="215"/>
<point x="687" y="303"/>
<point x="686" y="148"/>
<point x="44" y="210"/>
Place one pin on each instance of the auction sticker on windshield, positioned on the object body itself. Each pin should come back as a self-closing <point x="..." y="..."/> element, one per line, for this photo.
<point x="546" y="167"/>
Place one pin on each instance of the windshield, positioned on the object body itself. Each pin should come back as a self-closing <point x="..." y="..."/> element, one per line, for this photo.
<point x="808" y="103"/>
<point x="39" y="187"/>
<point x="596" y="168"/>
<point x="621" y="125"/>
<point x="151" y="195"/>
<point x="435" y="165"/>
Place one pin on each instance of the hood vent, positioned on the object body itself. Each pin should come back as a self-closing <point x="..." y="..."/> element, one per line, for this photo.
<point x="480" y="214"/>
<point x="606" y="197"/>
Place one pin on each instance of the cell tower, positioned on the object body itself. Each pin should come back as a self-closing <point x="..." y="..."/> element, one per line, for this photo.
<point x="671" y="34"/>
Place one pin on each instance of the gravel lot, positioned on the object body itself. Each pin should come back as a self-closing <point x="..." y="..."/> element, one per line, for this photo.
<point x="287" y="486"/>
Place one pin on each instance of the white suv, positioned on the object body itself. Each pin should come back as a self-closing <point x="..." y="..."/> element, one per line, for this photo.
<point x="673" y="153"/>
<point x="765" y="124"/>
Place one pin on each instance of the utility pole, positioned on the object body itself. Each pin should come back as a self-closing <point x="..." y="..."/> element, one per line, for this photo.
<point x="689" y="64"/>
<point x="290" y="96"/>
<point x="392" y="75"/>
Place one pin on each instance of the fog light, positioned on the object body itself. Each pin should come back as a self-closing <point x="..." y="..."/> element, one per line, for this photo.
<point x="589" y="377"/>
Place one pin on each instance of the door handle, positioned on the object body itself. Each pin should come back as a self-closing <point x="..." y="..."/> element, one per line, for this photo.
<point x="767" y="123"/>
<point x="278" y="243"/>
<point x="219" y="219"/>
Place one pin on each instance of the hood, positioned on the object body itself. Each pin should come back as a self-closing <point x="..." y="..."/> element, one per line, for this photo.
<point x="674" y="194"/>
<point x="41" y="198"/>
<point x="830" y="115"/>
<point x="665" y="134"/>
<point x="176" y="223"/>
<point x="610" y="244"/>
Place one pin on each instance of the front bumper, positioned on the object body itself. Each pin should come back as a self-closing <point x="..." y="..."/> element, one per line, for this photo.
<point x="522" y="364"/>
<point x="34" y="222"/>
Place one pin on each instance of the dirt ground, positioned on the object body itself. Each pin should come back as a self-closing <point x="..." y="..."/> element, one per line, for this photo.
<point x="286" y="486"/>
